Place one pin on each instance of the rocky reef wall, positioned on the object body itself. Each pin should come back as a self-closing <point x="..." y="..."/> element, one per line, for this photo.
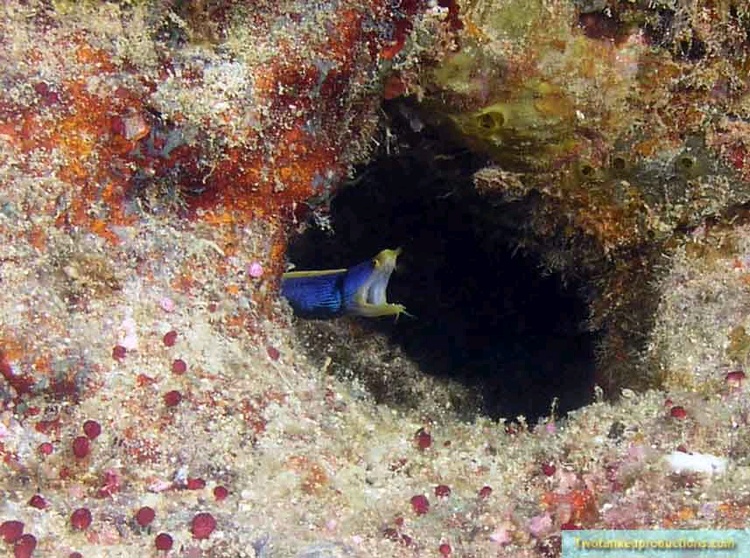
<point x="155" y="159"/>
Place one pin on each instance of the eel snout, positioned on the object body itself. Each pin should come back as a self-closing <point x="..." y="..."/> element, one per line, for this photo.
<point x="359" y="290"/>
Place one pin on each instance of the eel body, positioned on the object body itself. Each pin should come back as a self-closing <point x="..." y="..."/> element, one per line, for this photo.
<point x="329" y="293"/>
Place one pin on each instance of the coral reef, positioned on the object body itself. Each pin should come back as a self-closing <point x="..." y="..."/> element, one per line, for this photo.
<point x="156" y="399"/>
<point x="703" y="302"/>
<point x="614" y="126"/>
<point x="214" y="118"/>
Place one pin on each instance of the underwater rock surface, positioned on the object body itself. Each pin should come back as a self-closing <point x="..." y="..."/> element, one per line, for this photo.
<point x="612" y="130"/>
<point x="155" y="398"/>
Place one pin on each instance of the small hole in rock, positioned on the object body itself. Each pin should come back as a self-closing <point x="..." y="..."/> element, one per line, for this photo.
<point x="686" y="162"/>
<point x="490" y="120"/>
<point x="619" y="163"/>
<point x="487" y="314"/>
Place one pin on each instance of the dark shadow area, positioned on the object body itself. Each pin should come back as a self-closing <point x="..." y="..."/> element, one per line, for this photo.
<point x="485" y="313"/>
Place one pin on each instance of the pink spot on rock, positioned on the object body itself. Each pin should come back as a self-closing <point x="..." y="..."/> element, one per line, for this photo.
<point x="11" y="530"/>
<point x="45" y="448"/>
<point x="423" y="439"/>
<point x="220" y="493"/>
<point x="678" y="412"/>
<point x="37" y="501"/>
<point x="195" y="484"/>
<point x="81" y="447"/>
<point x="119" y="352"/>
<point x="501" y="536"/>
<point x="170" y="338"/>
<point x="203" y="525"/>
<point x="548" y="469"/>
<point x="735" y="379"/>
<point x="420" y="504"/>
<point x="144" y="516"/>
<point x="92" y="429"/>
<point x="442" y="491"/>
<point x="24" y="546"/>
<point x="179" y="366"/>
<point x="80" y="519"/>
<point x="172" y="398"/>
<point x="167" y="304"/>
<point x="255" y="270"/>
<point x="163" y="541"/>
<point x="273" y="353"/>
<point x="540" y="525"/>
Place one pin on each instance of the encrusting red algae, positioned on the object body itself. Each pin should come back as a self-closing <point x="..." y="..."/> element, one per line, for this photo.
<point x="154" y="398"/>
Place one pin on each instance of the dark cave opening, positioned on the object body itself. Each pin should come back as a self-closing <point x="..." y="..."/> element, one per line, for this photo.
<point x="485" y="313"/>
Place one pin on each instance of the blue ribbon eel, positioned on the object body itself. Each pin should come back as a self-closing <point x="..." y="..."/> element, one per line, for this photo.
<point x="329" y="293"/>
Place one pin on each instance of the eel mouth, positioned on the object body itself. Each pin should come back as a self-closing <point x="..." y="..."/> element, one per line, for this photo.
<point x="375" y="287"/>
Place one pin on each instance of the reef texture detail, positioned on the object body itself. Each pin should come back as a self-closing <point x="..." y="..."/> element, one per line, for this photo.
<point x="153" y="156"/>
<point x="612" y="128"/>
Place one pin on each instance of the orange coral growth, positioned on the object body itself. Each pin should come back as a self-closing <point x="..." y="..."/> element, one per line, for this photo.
<point x="735" y="514"/>
<point x="346" y="35"/>
<point x="678" y="518"/>
<point x="98" y="59"/>
<point x="314" y="477"/>
<point x="119" y="140"/>
<point x="394" y="87"/>
<point x="576" y="506"/>
<point x="77" y="124"/>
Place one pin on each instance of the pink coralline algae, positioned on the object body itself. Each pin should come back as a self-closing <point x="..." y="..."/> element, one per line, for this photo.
<point x="255" y="270"/>
<point x="203" y="525"/>
<point x="179" y="366"/>
<point x="92" y="429"/>
<point x="678" y="412"/>
<point x="420" y="504"/>
<point x="144" y="516"/>
<point x="11" y="530"/>
<point x="442" y="491"/>
<point x="172" y="398"/>
<point x="163" y="542"/>
<point x="37" y="501"/>
<point x="170" y="338"/>
<point x="24" y="546"/>
<point x="220" y="493"/>
<point x="81" y="447"/>
<point x="80" y="519"/>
